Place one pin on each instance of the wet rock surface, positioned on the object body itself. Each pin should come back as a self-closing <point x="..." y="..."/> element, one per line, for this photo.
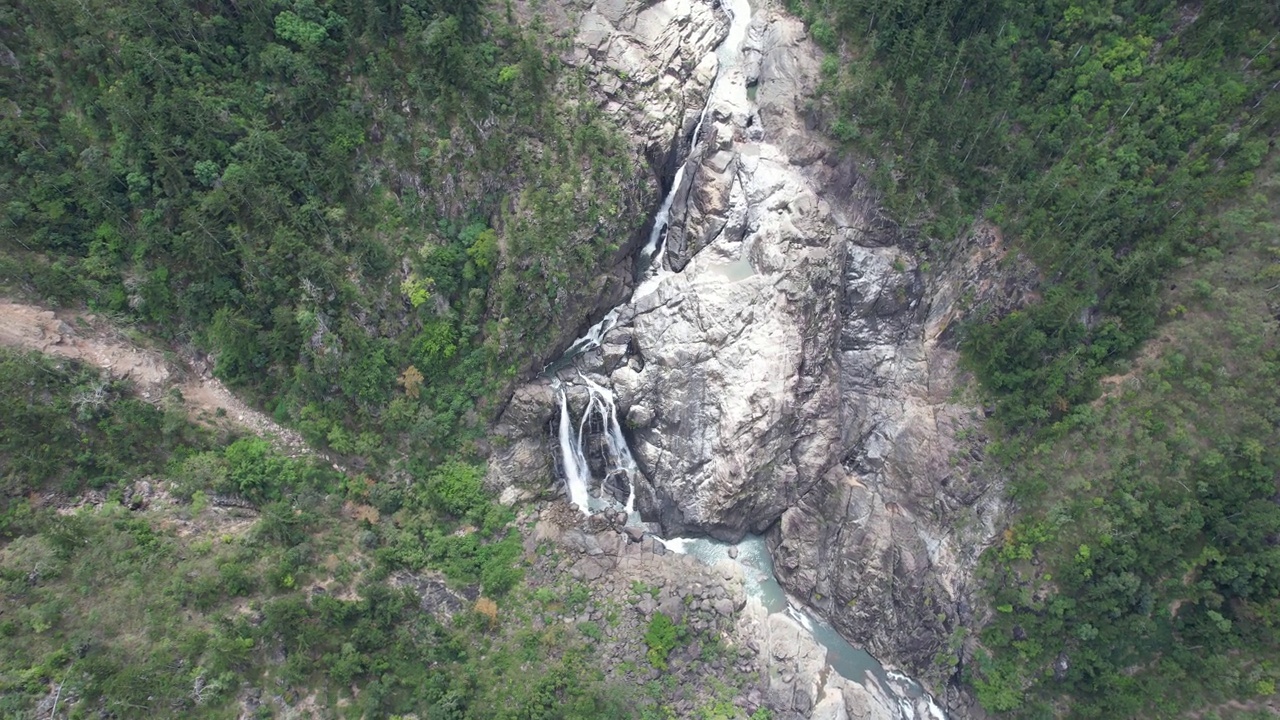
<point x="650" y="64"/>
<point x="738" y="347"/>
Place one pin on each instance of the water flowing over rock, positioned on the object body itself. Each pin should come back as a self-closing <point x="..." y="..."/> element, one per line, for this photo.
<point x="738" y="347"/>
<point x="792" y="370"/>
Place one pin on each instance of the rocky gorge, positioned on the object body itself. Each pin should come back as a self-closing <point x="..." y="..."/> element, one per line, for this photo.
<point x="791" y="369"/>
<point x="761" y="659"/>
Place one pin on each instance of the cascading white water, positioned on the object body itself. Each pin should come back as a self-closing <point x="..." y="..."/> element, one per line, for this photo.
<point x="594" y="335"/>
<point x="912" y="702"/>
<point x="728" y="55"/>
<point x="573" y="458"/>
<point x="620" y="457"/>
<point x="576" y="471"/>
<point x="601" y="400"/>
<point x="656" y="249"/>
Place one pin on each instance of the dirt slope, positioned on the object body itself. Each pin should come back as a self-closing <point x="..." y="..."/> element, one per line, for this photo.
<point x="91" y="340"/>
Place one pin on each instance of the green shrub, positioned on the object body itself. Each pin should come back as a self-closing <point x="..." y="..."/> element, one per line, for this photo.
<point x="662" y="636"/>
<point x="457" y="489"/>
<point x="591" y="630"/>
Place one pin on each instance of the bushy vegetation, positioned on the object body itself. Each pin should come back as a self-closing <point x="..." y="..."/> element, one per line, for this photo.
<point x="1145" y="556"/>
<point x="67" y="429"/>
<point x="661" y="636"/>
<point x="371" y="214"/>
<point x="1097" y="134"/>
<point x="1122" y="146"/>
<point x="373" y="217"/>
<point x="193" y="605"/>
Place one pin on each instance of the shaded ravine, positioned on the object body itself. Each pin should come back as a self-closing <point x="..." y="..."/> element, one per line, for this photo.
<point x="615" y="486"/>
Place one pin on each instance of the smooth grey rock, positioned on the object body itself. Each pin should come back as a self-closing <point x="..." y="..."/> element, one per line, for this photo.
<point x="640" y="416"/>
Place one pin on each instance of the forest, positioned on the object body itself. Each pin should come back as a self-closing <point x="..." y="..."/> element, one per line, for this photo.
<point x="372" y="216"/>
<point x="1128" y="149"/>
<point x="247" y="178"/>
<point x="156" y="605"/>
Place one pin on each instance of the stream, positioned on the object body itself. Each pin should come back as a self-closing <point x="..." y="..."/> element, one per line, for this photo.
<point x="752" y="554"/>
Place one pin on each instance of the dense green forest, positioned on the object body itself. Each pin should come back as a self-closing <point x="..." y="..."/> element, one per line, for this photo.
<point x="1147" y="551"/>
<point x="372" y="216"/>
<point x="1126" y="148"/>
<point x="371" y="213"/>
<point x="1098" y="133"/>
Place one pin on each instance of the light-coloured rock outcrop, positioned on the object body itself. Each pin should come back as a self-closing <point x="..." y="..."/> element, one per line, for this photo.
<point x="738" y="348"/>
<point x="650" y="63"/>
<point x="800" y="682"/>
<point x="799" y="370"/>
<point x="885" y="544"/>
<point x="797" y="373"/>
<point x="778" y="663"/>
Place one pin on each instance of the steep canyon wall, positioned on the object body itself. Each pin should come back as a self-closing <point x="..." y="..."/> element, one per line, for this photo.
<point x="796" y="375"/>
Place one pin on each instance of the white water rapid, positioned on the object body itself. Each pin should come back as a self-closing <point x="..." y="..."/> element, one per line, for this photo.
<point x="910" y="702"/>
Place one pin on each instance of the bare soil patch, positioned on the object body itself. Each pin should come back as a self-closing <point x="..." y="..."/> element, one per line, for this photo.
<point x="89" y="339"/>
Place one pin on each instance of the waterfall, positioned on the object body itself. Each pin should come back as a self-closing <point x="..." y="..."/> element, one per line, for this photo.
<point x="594" y="335"/>
<point x="573" y="458"/>
<point x="728" y="54"/>
<point x="620" y="458"/>
<point x="656" y="248"/>
<point x="576" y="470"/>
<point x="911" y="701"/>
<point x="600" y="399"/>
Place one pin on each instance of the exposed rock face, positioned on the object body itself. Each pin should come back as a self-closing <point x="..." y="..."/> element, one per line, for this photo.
<point x="520" y="465"/>
<point x="738" y="349"/>
<point x="650" y="63"/>
<point x="778" y="664"/>
<point x="886" y="541"/>
<point x="797" y="373"/>
<point x="800" y="683"/>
